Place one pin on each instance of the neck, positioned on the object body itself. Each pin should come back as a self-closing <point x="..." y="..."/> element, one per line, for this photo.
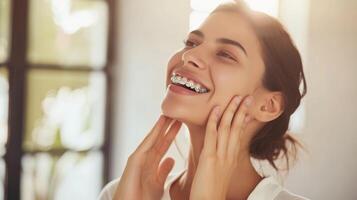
<point x="243" y="181"/>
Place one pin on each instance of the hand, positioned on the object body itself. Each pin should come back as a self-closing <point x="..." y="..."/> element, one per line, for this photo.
<point x="144" y="176"/>
<point x="219" y="156"/>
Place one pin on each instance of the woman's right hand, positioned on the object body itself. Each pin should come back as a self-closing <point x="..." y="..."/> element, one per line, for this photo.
<point x="144" y="177"/>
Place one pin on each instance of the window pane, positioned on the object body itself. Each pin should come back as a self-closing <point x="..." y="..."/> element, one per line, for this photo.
<point x="71" y="32"/>
<point x="4" y="29"/>
<point x="69" y="176"/>
<point x="65" y="109"/>
<point x="4" y="104"/>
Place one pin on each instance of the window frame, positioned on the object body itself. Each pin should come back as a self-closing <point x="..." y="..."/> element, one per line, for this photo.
<point x="18" y="66"/>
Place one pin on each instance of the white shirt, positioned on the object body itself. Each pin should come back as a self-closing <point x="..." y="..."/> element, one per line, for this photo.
<point x="267" y="189"/>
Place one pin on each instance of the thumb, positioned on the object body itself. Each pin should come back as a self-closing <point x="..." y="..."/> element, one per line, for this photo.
<point x="164" y="169"/>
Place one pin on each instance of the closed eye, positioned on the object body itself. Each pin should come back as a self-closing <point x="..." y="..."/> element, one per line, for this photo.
<point x="188" y="43"/>
<point x="226" y="55"/>
<point x="191" y="44"/>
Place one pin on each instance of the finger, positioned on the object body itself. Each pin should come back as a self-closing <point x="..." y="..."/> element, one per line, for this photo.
<point x="164" y="169"/>
<point x="225" y="125"/>
<point x="163" y="145"/>
<point x="163" y="133"/>
<point x="210" y="142"/>
<point x="160" y="125"/>
<point x="238" y="126"/>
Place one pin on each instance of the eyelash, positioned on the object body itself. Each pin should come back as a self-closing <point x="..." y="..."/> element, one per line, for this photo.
<point x="226" y="55"/>
<point x="185" y="42"/>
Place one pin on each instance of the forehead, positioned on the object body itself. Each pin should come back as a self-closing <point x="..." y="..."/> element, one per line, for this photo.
<point x="231" y="25"/>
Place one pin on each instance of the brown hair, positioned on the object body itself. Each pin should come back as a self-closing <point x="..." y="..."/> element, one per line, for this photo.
<point x="284" y="73"/>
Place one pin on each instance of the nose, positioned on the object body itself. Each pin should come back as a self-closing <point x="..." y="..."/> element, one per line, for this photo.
<point x="193" y="57"/>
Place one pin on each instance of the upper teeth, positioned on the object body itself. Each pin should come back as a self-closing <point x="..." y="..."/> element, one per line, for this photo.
<point x="189" y="83"/>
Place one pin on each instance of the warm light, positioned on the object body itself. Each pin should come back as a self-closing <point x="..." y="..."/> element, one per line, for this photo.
<point x="201" y="9"/>
<point x="270" y="7"/>
<point x="71" y="22"/>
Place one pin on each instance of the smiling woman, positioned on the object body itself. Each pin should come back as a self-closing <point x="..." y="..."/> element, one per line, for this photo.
<point x="252" y="72"/>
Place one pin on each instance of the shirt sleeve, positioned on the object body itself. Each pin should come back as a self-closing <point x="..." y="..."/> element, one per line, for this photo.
<point x="287" y="195"/>
<point x="108" y="191"/>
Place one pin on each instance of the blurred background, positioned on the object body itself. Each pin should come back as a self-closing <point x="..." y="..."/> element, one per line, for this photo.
<point x="81" y="84"/>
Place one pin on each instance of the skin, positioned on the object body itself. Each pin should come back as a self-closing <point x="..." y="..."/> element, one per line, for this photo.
<point x="144" y="176"/>
<point x="219" y="152"/>
<point x="225" y="78"/>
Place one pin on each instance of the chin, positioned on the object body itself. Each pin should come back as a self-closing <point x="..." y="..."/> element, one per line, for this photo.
<point x="183" y="113"/>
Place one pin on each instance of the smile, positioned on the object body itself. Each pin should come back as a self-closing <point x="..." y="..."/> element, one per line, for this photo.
<point x="188" y="84"/>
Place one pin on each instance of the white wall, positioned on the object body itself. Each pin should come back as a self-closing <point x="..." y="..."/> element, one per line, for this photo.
<point x="330" y="169"/>
<point x="150" y="31"/>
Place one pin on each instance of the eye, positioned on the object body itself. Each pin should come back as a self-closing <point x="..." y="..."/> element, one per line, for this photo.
<point x="188" y="43"/>
<point x="226" y="55"/>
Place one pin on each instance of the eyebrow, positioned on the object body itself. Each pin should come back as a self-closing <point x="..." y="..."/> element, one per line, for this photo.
<point x="222" y="40"/>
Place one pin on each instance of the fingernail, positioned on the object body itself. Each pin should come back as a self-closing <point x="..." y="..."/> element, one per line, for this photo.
<point x="237" y="99"/>
<point x="217" y="111"/>
<point x="248" y="101"/>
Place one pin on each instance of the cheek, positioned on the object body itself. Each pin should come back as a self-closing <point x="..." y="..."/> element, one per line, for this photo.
<point x="231" y="81"/>
<point x="228" y="83"/>
<point x="174" y="61"/>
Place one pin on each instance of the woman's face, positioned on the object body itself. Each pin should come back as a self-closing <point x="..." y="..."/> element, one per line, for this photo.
<point x="224" y="55"/>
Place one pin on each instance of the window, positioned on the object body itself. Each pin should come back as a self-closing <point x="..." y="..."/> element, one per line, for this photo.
<point x="55" y="59"/>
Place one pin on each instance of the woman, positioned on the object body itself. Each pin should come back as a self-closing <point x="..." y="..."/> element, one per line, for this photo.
<point x="235" y="85"/>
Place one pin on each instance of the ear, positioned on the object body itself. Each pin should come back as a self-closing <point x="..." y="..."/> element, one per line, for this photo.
<point x="270" y="106"/>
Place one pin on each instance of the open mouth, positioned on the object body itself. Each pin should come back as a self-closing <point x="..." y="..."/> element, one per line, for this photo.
<point x="188" y="84"/>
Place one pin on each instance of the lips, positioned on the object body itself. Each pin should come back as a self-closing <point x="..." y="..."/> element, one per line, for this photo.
<point x="192" y="77"/>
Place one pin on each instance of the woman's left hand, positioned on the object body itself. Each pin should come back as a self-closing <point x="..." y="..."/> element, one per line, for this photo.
<point x="219" y="156"/>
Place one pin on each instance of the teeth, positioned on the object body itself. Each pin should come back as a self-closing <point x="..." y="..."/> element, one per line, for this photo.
<point x="183" y="80"/>
<point x="197" y="88"/>
<point x="189" y="83"/>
